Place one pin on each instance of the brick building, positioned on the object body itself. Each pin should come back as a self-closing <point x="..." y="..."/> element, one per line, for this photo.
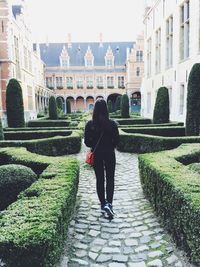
<point x="81" y="72"/>
<point x="19" y="60"/>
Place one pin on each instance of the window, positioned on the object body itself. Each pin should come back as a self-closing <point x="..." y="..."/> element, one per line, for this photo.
<point x="100" y="82"/>
<point x="169" y="42"/>
<point x="18" y="69"/>
<point x="138" y="72"/>
<point x="49" y="82"/>
<point x="121" y="82"/>
<point x="110" y="82"/>
<point x="184" y="30"/>
<point x="69" y="81"/>
<point x="182" y="96"/>
<point x="89" y="62"/>
<point x="139" y="56"/>
<point x="148" y="102"/>
<point x="158" y="51"/>
<point x="59" y="82"/>
<point x="30" y="98"/>
<point x="79" y="82"/>
<point x="89" y="82"/>
<point x="170" y="98"/>
<point x="109" y="62"/>
<point x="149" y="47"/>
<point x="65" y="62"/>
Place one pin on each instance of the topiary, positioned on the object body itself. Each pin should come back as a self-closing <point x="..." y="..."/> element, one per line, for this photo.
<point x="1" y="131"/>
<point x="68" y="106"/>
<point x="13" y="180"/>
<point x="118" y="103"/>
<point x="53" y="115"/>
<point x="14" y="105"/>
<point x="110" y="106"/>
<point x="161" y="109"/>
<point x="193" y="102"/>
<point x="59" y="103"/>
<point x="124" y="106"/>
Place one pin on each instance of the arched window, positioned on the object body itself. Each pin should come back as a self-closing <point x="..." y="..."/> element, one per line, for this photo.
<point x="138" y="71"/>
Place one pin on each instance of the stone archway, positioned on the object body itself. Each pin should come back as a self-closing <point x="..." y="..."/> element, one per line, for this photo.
<point x="63" y="102"/>
<point x="72" y="103"/>
<point x="113" y="98"/>
<point x="80" y="103"/>
<point x="136" y="102"/>
<point x="90" y="103"/>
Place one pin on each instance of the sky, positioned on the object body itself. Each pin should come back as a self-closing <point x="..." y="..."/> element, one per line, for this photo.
<point x="117" y="20"/>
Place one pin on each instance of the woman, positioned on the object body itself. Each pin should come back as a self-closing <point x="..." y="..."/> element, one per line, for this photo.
<point x="102" y="134"/>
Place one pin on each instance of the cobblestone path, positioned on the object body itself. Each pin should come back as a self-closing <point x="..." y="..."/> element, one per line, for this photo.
<point x="134" y="238"/>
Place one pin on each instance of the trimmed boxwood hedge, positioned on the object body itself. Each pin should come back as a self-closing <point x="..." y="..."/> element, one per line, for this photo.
<point x="39" y="129"/>
<point x="141" y="143"/>
<point x="33" y="229"/>
<point x="158" y="131"/>
<point x="14" y="179"/>
<point x="27" y="135"/>
<point x="133" y="121"/>
<point x="48" y="123"/>
<point x="174" y="191"/>
<point x="53" y="146"/>
<point x="151" y="125"/>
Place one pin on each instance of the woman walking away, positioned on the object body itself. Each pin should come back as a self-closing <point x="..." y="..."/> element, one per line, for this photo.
<point x="102" y="135"/>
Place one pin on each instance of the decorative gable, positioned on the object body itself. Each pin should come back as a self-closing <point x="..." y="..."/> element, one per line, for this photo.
<point x="89" y="58"/>
<point x="64" y="57"/>
<point x="109" y="57"/>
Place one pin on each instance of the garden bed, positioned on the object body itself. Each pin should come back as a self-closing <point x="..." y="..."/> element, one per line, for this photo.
<point x="48" y="123"/>
<point x="170" y="124"/>
<point x="33" y="229"/>
<point x="53" y="146"/>
<point x="174" y="191"/>
<point x="141" y="143"/>
<point x="131" y="121"/>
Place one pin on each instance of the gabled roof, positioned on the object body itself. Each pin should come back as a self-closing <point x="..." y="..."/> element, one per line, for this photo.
<point x="50" y="53"/>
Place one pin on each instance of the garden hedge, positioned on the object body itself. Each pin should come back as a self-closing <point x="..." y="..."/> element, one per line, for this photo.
<point x="158" y="131"/>
<point x="14" y="179"/>
<point x="33" y="229"/>
<point x="48" y="123"/>
<point x="174" y="191"/>
<point x="53" y="146"/>
<point x="53" y="113"/>
<point x="124" y="106"/>
<point x="150" y="125"/>
<point x="161" y="109"/>
<point x="27" y="135"/>
<point x="141" y="143"/>
<point x="131" y="121"/>
<point x="39" y="129"/>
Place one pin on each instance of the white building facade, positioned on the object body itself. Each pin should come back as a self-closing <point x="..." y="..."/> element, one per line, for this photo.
<point x="172" y="47"/>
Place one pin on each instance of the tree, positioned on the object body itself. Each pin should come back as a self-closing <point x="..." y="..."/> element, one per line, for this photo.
<point x="110" y="106"/>
<point x="68" y="106"/>
<point x="124" y="106"/>
<point x="52" y="108"/>
<point x="1" y="131"/>
<point x="14" y="104"/>
<point x="59" y="103"/>
<point x="118" y="103"/>
<point x="161" y="109"/>
<point x="193" y="102"/>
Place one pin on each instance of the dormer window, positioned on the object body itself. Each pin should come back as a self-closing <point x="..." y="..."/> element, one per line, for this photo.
<point x="64" y="57"/>
<point x="89" y="58"/>
<point x="109" y="58"/>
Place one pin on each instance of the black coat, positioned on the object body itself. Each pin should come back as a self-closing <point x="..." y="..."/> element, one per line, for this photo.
<point x="108" y="141"/>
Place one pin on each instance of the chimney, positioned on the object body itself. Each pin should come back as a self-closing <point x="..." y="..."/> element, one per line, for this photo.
<point x="69" y="40"/>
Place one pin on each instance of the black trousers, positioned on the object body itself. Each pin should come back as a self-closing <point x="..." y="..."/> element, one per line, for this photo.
<point x="104" y="167"/>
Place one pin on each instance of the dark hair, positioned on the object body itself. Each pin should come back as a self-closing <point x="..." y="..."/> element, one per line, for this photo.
<point x="100" y="116"/>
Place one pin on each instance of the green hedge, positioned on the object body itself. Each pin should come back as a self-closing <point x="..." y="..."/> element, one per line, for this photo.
<point x="27" y="135"/>
<point x="14" y="179"/>
<point x="141" y="143"/>
<point x="33" y="229"/>
<point x="48" y="123"/>
<point x="53" y="146"/>
<point x="150" y="125"/>
<point x="133" y="121"/>
<point x="39" y="129"/>
<point x="157" y="131"/>
<point x="174" y="191"/>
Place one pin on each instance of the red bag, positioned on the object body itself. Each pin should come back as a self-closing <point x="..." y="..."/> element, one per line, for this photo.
<point x="90" y="158"/>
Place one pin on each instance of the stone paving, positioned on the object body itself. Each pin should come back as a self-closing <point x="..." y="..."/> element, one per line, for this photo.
<point x="134" y="238"/>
